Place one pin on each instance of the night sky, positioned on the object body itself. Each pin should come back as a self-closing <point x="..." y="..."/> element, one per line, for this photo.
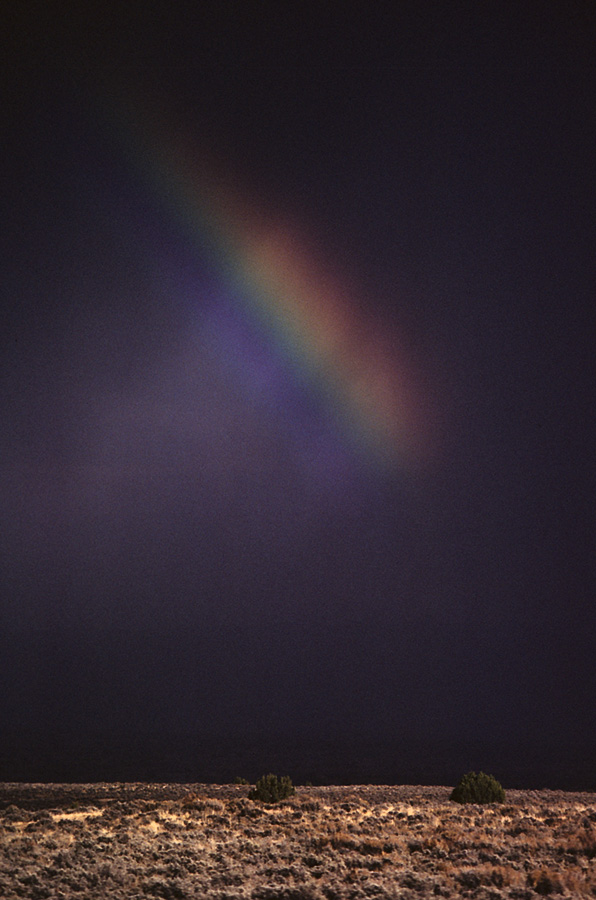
<point x="297" y="392"/>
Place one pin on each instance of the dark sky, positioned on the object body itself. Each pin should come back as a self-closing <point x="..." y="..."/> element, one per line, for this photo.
<point x="297" y="395"/>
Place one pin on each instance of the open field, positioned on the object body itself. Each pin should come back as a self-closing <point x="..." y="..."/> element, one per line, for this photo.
<point x="326" y="843"/>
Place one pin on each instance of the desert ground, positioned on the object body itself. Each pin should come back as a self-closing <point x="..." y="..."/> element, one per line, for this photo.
<point x="325" y="843"/>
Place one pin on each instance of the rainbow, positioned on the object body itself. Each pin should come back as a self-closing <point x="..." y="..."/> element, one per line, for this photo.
<point x="353" y="362"/>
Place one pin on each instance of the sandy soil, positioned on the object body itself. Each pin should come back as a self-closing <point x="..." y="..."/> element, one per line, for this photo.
<point x="334" y="843"/>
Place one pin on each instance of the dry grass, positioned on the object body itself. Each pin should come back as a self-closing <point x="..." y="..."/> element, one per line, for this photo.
<point x="182" y="841"/>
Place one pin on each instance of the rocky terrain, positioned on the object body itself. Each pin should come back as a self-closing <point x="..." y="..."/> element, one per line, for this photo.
<point x="333" y="843"/>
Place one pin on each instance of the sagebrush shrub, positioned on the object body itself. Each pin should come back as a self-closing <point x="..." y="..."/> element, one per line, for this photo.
<point x="477" y="787"/>
<point x="545" y="882"/>
<point x="271" y="789"/>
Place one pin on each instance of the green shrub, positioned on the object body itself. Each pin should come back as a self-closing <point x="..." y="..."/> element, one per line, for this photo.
<point x="478" y="788"/>
<point x="271" y="789"/>
<point x="239" y="780"/>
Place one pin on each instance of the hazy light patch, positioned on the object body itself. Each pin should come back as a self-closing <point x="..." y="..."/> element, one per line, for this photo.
<point x="311" y="437"/>
<point x="331" y="343"/>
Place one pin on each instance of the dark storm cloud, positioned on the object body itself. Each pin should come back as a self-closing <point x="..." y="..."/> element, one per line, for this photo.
<point x="186" y="545"/>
